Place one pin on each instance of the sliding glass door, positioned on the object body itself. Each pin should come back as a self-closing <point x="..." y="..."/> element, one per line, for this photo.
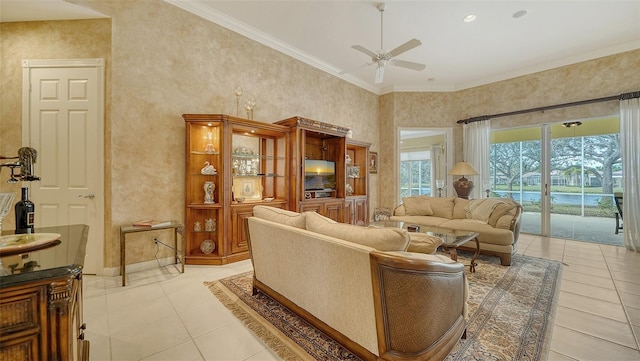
<point x="516" y="172"/>
<point x="564" y="175"/>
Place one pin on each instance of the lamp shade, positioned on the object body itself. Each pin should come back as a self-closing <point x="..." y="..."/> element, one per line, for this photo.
<point x="463" y="168"/>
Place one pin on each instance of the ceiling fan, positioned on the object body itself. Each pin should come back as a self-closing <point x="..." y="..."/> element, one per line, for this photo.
<point x="382" y="57"/>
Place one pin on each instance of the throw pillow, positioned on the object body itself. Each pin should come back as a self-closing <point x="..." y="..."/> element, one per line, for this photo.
<point x="417" y="206"/>
<point x="423" y="243"/>
<point x="500" y="210"/>
<point x="382" y="239"/>
<point x="281" y="216"/>
<point x="481" y="209"/>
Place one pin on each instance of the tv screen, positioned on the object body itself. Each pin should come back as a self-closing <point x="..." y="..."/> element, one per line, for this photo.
<point x="319" y="175"/>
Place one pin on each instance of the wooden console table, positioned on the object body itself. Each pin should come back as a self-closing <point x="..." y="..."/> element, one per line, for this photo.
<point x="177" y="228"/>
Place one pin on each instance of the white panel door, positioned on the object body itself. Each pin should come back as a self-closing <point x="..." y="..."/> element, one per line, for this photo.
<point x="65" y="125"/>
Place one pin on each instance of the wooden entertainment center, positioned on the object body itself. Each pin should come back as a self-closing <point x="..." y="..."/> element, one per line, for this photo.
<point x="233" y="164"/>
<point x="312" y="139"/>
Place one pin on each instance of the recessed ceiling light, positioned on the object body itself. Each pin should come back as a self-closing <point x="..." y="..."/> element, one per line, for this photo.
<point x="519" y="14"/>
<point x="469" y="18"/>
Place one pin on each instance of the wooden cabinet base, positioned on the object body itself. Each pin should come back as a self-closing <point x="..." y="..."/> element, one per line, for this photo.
<point x="42" y="320"/>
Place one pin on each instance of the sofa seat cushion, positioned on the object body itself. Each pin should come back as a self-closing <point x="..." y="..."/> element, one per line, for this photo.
<point x="488" y="234"/>
<point x="281" y="216"/>
<point x="424" y="220"/>
<point x="423" y="243"/>
<point x="382" y="239"/>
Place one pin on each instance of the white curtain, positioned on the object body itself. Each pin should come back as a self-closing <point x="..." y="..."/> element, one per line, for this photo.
<point x="476" y="153"/>
<point x="436" y="167"/>
<point x="629" y="135"/>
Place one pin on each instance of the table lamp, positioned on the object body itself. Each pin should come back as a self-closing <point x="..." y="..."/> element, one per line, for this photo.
<point x="463" y="186"/>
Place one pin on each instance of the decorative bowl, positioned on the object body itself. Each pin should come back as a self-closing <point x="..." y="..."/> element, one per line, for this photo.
<point x="207" y="246"/>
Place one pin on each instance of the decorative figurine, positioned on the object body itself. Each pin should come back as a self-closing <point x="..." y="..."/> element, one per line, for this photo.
<point x="210" y="225"/>
<point x="209" y="187"/>
<point x="208" y="169"/>
<point x="349" y="189"/>
<point x="197" y="227"/>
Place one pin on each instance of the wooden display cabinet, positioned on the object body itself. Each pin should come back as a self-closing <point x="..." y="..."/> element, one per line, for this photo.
<point x="249" y="158"/>
<point x="357" y="182"/>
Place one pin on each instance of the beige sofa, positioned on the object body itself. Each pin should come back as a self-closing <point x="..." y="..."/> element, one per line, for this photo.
<point x="359" y="285"/>
<point x="496" y="219"/>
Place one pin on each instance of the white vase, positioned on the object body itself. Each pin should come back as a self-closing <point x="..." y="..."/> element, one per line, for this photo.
<point x="209" y="187"/>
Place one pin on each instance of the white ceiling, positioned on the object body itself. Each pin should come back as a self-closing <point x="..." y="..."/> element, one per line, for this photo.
<point x="458" y="55"/>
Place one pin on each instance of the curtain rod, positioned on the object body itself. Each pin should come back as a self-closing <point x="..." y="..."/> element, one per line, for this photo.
<point x="542" y="109"/>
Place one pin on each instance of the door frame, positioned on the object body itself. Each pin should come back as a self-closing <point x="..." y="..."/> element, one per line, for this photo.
<point x="99" y="64"/>
<point x="447" y="132"/>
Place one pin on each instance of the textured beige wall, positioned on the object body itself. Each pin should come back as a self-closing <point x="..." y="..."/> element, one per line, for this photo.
<point x="164" y="62"/>
<point x="607" y="76"/>
<point x="42" y="40"/>
<point x="167" y="62"/>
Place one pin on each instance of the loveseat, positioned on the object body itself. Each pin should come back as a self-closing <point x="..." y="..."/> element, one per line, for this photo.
<point x="497" y="220"/>
<point x="359" y="284"/>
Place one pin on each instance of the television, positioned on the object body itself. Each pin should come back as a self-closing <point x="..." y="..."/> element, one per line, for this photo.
<point x="319" y="175"/>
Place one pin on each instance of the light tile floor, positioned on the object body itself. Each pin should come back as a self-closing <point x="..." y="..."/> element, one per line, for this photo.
<point x="164" y="315"/>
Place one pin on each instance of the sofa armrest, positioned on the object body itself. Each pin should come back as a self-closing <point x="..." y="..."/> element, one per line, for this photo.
<point x="419" y="304"/>
<point x="515" y="224"/>
<point x="399" y="210"/>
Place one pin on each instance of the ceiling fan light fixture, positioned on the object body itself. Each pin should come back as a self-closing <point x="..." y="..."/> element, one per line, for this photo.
<point x="379" y="73"/>
<point x="382" y="57"/>
<point x="571" y="124"/>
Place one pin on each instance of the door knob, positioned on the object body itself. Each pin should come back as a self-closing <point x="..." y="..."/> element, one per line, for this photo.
<point x="90" y="196"/>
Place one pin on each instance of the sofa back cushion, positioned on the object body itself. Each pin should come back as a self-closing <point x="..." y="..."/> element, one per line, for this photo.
<point x="460" y="208"/>
<point x="382" y="239"/>
<point x="442" y="206"/>
<point x="417" y="206"/>
<point x="279" y="215"/>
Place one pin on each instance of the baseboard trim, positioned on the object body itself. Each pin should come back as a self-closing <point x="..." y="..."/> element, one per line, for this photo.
<point x="135" y="267"/>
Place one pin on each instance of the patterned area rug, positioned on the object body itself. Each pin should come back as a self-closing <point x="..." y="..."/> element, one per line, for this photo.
<point x="511" y="314"/>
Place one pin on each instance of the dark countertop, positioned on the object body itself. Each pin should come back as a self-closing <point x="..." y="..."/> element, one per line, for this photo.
<point x="61" y="259"/>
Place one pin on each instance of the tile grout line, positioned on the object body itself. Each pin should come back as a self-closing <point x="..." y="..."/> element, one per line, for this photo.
<point x="624" y="309"/>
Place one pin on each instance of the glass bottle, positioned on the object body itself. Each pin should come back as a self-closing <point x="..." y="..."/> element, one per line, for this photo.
<point x="25" y="213"/>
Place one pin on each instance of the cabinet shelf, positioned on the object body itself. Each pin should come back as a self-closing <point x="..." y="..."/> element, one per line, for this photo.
<point x="202" y="152"/>
<point x="204" y="206"/>
<point x="236" y="175"/>
<point x="255" y="156"/>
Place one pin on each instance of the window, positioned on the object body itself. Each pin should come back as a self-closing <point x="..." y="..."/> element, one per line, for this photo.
<point x="415" y="173"/>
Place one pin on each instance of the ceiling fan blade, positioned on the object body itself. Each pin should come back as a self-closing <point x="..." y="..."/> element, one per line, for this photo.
<point x="408" y="64"/>
<point x="366" y="51"/>
<point x="405" y="47"/>
<point x="379" y="74"/>
<point x="354" y="68"/>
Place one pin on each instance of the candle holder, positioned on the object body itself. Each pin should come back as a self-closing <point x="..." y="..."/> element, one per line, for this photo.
<point x="487" y="187"/>
<point x="238" y="93"/>
<point x="440" y="185"/>
<point x="249" y="106"/>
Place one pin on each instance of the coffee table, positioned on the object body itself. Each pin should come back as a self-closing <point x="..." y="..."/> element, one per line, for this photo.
<point x="451" y="238"/>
